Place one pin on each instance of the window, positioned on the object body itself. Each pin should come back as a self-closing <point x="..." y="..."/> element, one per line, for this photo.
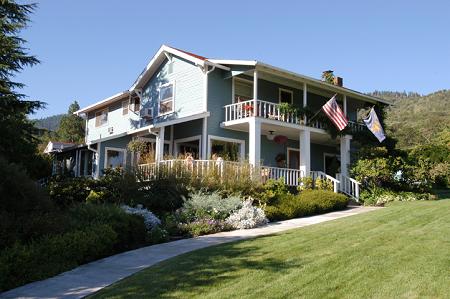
<point x="135" y="104"/>
<point x="166" y="99"/>
<point x="125" y="107"/>
<point x="101" y="118"/>
<point x="115" y="157"/>
<point x="243" y="90"/>
<point x="285" y="96"/>
<point x="226" y="148"/>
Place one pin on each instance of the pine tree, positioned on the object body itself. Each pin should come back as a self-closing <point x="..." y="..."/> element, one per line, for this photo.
<point x="71" y="127"/>
<point x="17" y="143"/>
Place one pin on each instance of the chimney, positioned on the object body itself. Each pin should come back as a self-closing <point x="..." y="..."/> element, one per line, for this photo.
<point x="338" y="81"/>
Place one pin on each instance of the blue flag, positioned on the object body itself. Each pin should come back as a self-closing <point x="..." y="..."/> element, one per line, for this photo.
<point x="373" y="124"/>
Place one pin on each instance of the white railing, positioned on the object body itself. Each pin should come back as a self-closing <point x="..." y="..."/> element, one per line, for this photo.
<point x="262" y="109"/>
<point x="348" y="186"/>
<point x="322" y="175"/>
<point x="356" y="127"/>
<point x="291" y="176"/>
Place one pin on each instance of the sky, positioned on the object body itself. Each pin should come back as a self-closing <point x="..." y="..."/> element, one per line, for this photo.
<point x="90" y="50"/>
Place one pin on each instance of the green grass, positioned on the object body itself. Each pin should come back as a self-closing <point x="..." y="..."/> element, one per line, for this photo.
<point x="402" y="251"/>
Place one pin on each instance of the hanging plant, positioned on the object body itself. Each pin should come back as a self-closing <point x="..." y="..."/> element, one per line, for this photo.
<point x="137" y="146"/>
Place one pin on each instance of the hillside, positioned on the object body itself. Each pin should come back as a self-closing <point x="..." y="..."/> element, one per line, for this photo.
<point x="415" y="119"/>
<point x="50" y="123"/>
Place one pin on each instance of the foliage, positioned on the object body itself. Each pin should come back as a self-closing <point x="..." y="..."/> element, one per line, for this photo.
<point x="306" y="203"/>
<point x="247" y="216"/>
<point x="204" y="226"/>
<point x="50" y="123"/>
<point x="150" y="220"/>
<point x="66" y="191"/>
<point x="323" y="184"/>
<point x="328" y="76"/>
<point x="17" y="144"/>
<point x="71" y="126"/>
<point x="305" y="183"/>
<point x="380" y="196"/>
<point x="202" y="205"/>
<point x="272" y="190"/>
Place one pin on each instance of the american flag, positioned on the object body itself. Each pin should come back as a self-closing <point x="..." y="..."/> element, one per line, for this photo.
<point x="334" y="112"/>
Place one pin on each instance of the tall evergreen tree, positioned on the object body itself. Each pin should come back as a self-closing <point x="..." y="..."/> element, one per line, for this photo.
<point x="71" y="127"/>
<point x="17" y="143"/>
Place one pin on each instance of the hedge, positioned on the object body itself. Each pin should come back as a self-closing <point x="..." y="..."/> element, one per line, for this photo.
<point x="306" y="203"/>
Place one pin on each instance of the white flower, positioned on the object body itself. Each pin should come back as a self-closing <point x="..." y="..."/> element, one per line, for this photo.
<point x="150" y="220"/>
<point x="247" y="216"/>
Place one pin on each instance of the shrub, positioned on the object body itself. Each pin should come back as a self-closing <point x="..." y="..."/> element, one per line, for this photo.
<point x="380" y="196"/>
<point x="66" y="191"/>
<point x="150" y="220"/>
<point x="51" y="255"/>
<point x="247" y="216"/>
<point x="203" y="226"/>
<point x="272" y="190"/>
<point x="213" y="206"/>
<point x="306" y="183"/>
<point x="323" y="184"/>
<point x="308" y="202"/>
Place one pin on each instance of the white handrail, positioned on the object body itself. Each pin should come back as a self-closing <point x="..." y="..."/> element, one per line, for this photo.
<point x="322" y="175"/>
<point x="291" y="176"/>
<point x="349" y="186"/>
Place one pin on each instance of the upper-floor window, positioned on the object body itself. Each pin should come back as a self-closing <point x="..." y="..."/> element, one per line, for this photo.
<point x="285" y="96"/>
<point x="101" y="117"/>
<point x="166" y="99"/>
<point x="135" y="104"/>
<point x="243" y="90"/>
<point x="125" y="105"/>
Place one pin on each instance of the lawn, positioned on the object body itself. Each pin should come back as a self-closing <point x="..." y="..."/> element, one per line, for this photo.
<point x="402" y="251"/>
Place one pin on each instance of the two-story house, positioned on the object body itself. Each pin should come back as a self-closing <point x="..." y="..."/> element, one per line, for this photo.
<point x="185" y="103"/>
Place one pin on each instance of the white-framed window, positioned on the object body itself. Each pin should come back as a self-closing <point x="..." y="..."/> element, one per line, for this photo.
<point x="135" y="103"/>
<point x="101" y="117"/>
<point x="190" y="145"/>
<point x="285" y="96"/>
<point x="125" y="105"/>
<point x="226" y="148"/>
<point x="115" y="157"/>
<point x="243" y="90"/>
<point x="166" y="98"/>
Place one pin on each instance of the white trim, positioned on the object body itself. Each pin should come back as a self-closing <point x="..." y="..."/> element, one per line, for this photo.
<point x="235" y="61"/>
<point x="171" y="140"/>
<point x="101" y="112"/>
<point x="287" y="154"/>
<point x="102" y="103"/>
<point x="105" y="165"/>
<point x="173" y="98"/>
<point x="291" y="92"/>
<point x="176" y="142"/>
<point x="226" y="139"/>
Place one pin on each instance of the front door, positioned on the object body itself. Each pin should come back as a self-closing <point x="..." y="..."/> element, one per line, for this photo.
<point x="332" y="164"/>
<point x="293" y="158"/>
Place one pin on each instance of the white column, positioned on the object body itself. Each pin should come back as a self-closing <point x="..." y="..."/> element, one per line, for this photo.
<point x="305" y="152"/>
<point x="344" y="104"/>
<point x="255" y="84"/>
<point x="204" y="139"/>
<point x="171" y="141"/>
<point x="305" y="98"/>
<point x="345" y="154"/>
<point x="160" y="145"/>
<point x="254" y="150"/>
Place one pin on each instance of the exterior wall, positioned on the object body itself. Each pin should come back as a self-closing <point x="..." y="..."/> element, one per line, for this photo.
<point x="188" y="91"/>
<point x="121" y="143"/>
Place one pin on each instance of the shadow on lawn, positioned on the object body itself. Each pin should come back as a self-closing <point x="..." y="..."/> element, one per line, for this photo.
<point x="195" y="270"/>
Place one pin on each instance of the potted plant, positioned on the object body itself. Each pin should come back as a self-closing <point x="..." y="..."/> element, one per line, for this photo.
<point x="281" y="160"/>
<point x="287" y="110"/>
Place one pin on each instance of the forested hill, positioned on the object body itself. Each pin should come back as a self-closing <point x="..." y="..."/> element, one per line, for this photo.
<point x="50" y="123"/>
<point x="415" y="119"/>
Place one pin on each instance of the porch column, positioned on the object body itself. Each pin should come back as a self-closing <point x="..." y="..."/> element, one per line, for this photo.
<point x="255" y="85"/>
<point x="305" y="98"/>
<point x="97" y="160"/>
<point x="305" y="152"/>
<point x="345" y="154"/>
<point x="160" y="145"/>
<point x="204" y="141"/>
<point x="254" y="150"/>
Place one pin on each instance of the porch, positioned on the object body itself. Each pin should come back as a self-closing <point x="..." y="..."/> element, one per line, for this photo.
<point x="222" y="170"/>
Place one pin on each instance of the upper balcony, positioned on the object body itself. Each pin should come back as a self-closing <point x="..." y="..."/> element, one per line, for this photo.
<point x="278" y="112"/>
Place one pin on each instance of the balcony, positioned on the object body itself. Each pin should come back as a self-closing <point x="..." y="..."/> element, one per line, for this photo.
<point x="273" y="111"/>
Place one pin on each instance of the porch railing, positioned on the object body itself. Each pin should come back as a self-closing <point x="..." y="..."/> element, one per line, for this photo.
<point x="236" y="170"/>
<point x="348" y="186"/>
<point x="271" y="110"/>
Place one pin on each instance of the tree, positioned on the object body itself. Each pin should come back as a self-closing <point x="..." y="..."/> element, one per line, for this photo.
<point x="71" y="127"/>
<point x="17" y="143"/>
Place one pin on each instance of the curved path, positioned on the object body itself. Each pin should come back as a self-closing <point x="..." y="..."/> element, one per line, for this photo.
<point x="89" y="278"/>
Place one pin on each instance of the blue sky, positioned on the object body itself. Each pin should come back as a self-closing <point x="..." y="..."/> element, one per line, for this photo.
<point x="92" y="49"/>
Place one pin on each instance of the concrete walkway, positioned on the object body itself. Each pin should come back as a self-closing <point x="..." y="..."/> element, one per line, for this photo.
<point x="89" y="278"/>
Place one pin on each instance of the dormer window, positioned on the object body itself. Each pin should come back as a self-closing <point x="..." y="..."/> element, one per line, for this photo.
<point x="166" y="99"/>
<point x="135" y="104"/>
<point x="125" y="107"/>
<point x="101" y="117"/>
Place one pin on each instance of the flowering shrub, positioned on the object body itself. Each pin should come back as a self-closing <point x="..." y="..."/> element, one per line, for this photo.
<point x="212" y="205"/>
<point x="379" y="196"/>
<point x="204" y="226"/>
<point x="247" y="216"/>
<point x="150" y="220"/>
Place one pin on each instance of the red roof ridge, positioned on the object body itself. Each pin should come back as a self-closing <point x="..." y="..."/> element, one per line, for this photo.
<point x="189" y="53"/>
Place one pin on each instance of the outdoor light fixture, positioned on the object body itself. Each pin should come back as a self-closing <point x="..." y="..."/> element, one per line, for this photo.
<point x="270" y="136"/>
